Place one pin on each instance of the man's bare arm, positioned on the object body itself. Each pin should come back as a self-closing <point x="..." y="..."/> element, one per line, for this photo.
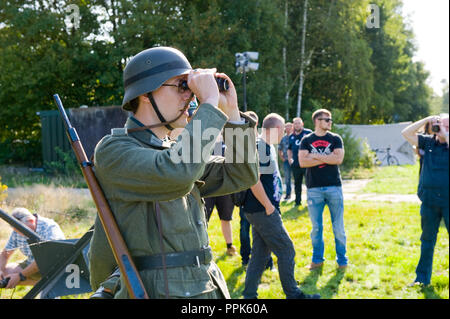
<point x="410" y="132"/>
<point x="335" y="158"/>
<point x="289" y="154"/>
<point x="30" y="269"/>
<point x="306" y="159"/>
<point x="4" y="256"/>
<point x="280" y="153"/>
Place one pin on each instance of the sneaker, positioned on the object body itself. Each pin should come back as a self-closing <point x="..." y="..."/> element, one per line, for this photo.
<point x="287" y="197"/>
<point x="417" y="284"/>
<point x="232" y="251"/>
<point x="313" y="266"/>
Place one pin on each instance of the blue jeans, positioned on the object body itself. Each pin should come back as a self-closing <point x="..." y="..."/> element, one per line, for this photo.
<point x="287" y="177"/>
<point x="332" y="196"/>
<point x="270" y="235"/>
<point x="431" y="217"/>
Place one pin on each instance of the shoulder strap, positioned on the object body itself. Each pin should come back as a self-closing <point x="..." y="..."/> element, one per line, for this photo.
<point x="163" y="253"/>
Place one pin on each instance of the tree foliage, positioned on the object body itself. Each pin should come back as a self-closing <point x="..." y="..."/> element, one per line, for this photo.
<point x="362" y="75"/>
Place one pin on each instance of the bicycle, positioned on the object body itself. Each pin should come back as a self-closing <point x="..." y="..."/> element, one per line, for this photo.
<point x="388" y="158"/>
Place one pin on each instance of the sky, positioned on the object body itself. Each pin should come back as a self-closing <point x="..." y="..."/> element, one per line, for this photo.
<point x="430" y="22"/>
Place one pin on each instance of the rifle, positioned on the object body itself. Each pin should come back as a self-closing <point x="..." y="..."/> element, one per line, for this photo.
<point x="123" y="258"/>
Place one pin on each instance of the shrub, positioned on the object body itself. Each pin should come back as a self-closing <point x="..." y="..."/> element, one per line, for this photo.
<point x="67" y="166"/>
<point x="357" y="151"/>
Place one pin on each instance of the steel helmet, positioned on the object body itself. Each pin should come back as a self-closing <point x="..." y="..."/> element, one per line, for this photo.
<point x="150" y="68"/>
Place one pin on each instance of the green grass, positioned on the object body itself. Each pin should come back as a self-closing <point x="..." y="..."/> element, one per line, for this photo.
<point x="383" y="242"/>
<point x="394" y="180"/>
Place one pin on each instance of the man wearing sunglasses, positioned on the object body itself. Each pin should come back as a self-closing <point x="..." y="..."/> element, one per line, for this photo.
<point x="157" y="201"/>
<point x="321" y="152"/>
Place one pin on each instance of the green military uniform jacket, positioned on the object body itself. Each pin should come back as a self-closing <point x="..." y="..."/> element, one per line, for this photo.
<point x="136" y="169"/>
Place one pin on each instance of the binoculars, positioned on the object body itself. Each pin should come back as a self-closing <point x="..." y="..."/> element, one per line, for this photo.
<point x="221" y="83"/>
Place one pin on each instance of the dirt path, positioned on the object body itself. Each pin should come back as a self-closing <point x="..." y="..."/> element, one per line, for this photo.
<point x="352" y="188"/>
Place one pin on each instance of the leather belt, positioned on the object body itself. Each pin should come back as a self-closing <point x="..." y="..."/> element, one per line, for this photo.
<point x="182" y="259"/>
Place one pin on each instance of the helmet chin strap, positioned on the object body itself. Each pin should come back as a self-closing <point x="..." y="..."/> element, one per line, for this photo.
<point x="160" y="116"/>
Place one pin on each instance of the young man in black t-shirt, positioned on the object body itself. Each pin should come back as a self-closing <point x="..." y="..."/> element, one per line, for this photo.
<point x="321" y="152"/>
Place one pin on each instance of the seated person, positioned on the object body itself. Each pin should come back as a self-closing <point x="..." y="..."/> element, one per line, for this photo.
<point x="26" y="272"/>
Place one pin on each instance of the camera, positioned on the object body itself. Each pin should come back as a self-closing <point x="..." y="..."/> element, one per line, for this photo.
<point x="4" y="282"/>
<point x="221" y="83"/>
<point x="435" y="128"/>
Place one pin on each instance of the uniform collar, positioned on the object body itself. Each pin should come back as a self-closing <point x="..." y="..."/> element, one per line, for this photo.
<point x="147" y="136"/>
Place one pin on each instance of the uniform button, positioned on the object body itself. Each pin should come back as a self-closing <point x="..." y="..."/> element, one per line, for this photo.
<point x="200" y="222"/>
<point x="187" y="294"/>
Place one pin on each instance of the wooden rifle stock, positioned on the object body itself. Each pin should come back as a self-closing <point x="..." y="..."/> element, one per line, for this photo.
<point x="123" y="258"/>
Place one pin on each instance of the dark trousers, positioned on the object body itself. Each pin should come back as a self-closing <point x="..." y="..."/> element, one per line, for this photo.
<point x="298" y="180"/>
<point x="270" y="235"/>
<point x="244" y="235"/>
<point x="431" y="217"/>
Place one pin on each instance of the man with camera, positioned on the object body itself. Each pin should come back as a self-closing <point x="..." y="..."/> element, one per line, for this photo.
<point x="155" y="186"/>
<point x="26" y="272"/>
<point x="433" y="187"/>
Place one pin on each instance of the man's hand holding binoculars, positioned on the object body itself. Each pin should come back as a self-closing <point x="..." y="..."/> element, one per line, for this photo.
<point x="204" y="85"/>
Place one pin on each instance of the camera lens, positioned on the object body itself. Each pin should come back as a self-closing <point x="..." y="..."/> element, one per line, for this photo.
<point x="435" y="128"/>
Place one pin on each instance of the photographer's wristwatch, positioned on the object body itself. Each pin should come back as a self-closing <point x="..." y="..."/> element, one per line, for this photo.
<point x="22" y="277"/>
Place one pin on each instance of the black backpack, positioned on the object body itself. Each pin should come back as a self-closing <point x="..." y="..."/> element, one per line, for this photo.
<point x="238" y="198"/>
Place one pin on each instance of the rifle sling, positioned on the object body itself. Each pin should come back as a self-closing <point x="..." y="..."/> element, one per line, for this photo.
<point x="163" y="254"/>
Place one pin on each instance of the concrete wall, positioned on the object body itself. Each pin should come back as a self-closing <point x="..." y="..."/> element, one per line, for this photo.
<point x="383" y="136"/>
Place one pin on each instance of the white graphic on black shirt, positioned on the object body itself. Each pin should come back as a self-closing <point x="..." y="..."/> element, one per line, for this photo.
<point x="321" y="147"/>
